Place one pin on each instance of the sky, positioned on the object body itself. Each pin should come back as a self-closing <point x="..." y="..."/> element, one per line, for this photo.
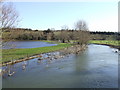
<point x="99" y="16"/>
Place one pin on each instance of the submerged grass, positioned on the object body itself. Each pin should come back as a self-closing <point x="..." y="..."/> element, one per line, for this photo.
<point x="12" y="54"/>
<point x="107" y="42"/>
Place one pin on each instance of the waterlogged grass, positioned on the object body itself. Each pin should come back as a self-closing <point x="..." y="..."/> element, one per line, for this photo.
<point x="11" y="54"/>
<point x="108" y="42"/>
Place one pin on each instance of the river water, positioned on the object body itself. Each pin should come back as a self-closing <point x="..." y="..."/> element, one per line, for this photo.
<point x="96" y="67"/>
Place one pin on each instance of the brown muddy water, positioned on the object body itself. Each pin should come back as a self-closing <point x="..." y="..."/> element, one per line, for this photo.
<point x="96" y="67"/>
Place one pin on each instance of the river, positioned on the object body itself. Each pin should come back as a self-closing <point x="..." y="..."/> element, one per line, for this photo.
<point x="96" y="67"/>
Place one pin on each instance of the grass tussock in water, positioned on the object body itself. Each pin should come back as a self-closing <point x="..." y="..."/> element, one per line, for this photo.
<point x="12" y="54"/>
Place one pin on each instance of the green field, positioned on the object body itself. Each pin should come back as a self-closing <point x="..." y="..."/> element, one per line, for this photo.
<point x="12" y="54"/>
<point x="107" y="42"/>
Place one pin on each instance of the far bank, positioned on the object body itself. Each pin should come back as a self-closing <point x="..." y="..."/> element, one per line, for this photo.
<point x="111" y="43"/>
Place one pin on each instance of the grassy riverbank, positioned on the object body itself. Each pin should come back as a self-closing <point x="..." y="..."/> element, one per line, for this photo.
<point x="14" y="54"/>
<point x="106" y="42"/>
<point x="11" y="54"/>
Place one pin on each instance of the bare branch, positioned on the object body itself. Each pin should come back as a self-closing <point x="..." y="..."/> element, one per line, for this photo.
<point x="9" y="16"/>
<point x="81" y="25"/>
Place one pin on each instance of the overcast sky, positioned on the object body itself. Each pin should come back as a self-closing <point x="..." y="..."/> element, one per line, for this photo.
<point x="100" y="16"/>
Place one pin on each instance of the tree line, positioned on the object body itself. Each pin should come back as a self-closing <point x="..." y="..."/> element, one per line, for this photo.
<point x="60" y="35"/>
<point x="57" y="35"/>
<point x="104" y="33"/>
<point x="97" y="35"/>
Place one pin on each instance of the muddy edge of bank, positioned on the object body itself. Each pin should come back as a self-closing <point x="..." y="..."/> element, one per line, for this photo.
<point x="75" y="49"/>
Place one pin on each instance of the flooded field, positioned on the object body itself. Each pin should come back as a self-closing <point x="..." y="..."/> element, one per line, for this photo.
<point x="27" y="44"/>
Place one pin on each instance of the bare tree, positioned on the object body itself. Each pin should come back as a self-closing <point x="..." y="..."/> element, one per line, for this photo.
<point x="81" y="25"/>
<point x="8" y="18"/>
<point x="64" y="27"/>
<point x="82" y="33"/>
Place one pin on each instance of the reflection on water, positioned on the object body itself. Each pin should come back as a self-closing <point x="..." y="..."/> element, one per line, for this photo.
<point x="97" y="67"/>
<point x="26" y="44"/>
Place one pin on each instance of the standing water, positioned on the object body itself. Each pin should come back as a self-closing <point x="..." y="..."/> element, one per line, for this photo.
<point x="97" y="67"/>
<point x="26" y="44"/>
